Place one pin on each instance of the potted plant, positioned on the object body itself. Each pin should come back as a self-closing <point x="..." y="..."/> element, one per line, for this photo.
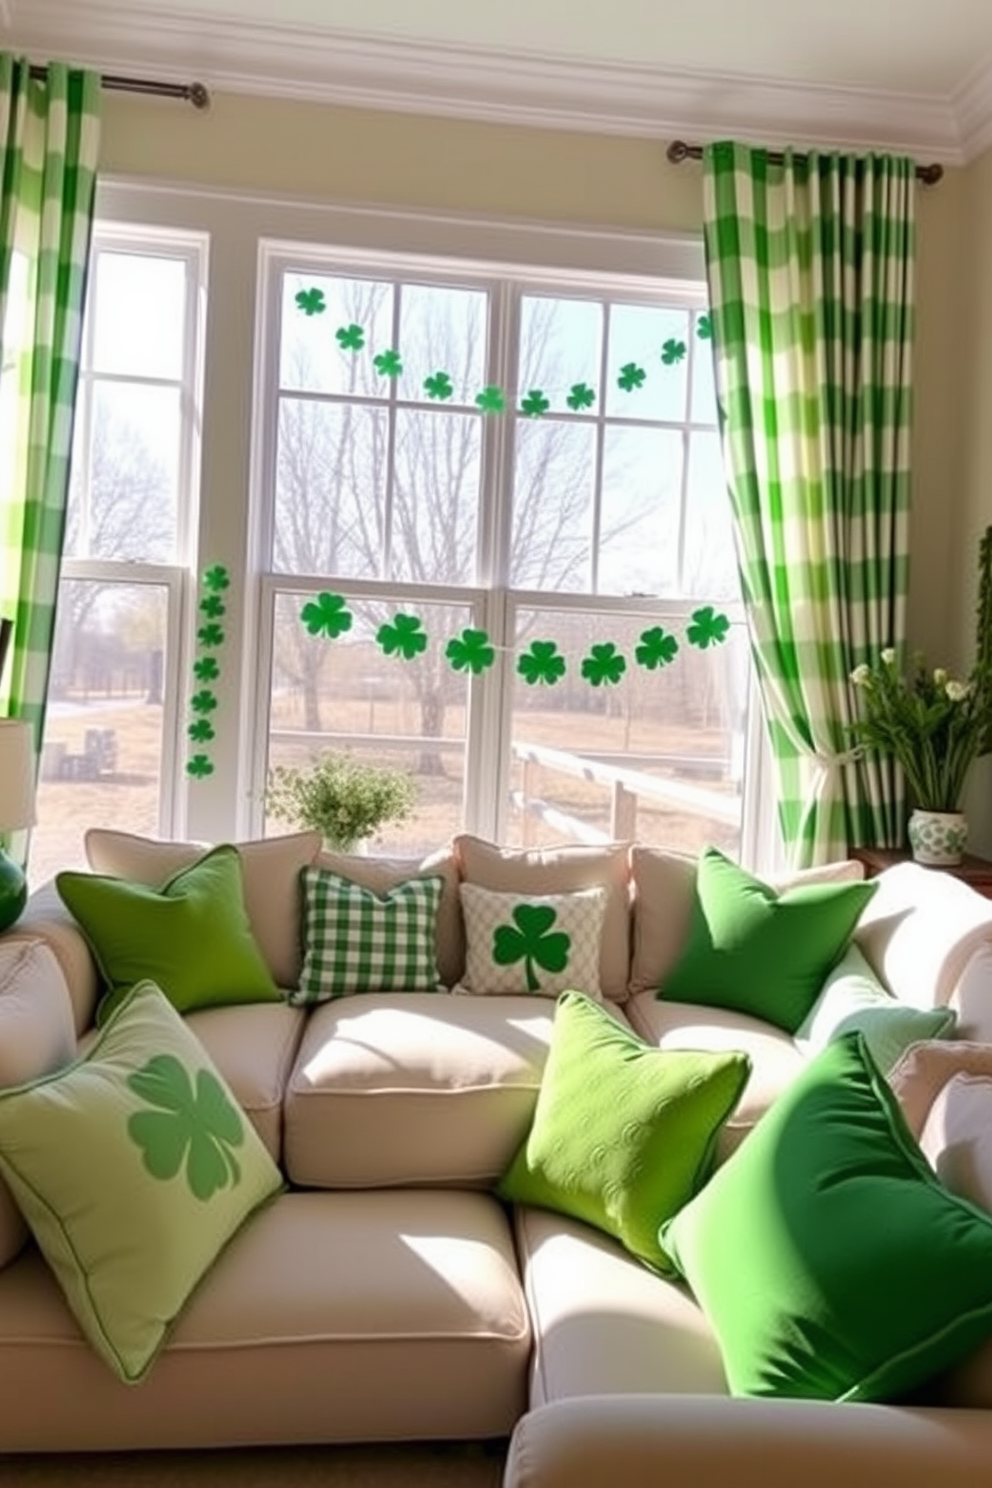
<point x="935" y="725"/>
<point x="344" y="798"/>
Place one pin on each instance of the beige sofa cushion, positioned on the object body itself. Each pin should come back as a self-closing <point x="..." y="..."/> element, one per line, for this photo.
<point x="662" y="885"/>
<point x="925" y="1069"/>
<point x="775" y="1058"/>
<point x="605" y="1324"/>
<point x="330" y="1318"/>
<point x="414" y="1088"/>
<point x="271" y="871"/>
<point x="562" y="870"/>
<point x="47" y="919"/>
<point x="383" y="874"/>
<point x="36" y="1036"/>
<point x="253" y="1046"/>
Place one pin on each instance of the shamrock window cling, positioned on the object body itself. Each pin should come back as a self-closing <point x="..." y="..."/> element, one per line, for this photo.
<point x="210" y="637"/>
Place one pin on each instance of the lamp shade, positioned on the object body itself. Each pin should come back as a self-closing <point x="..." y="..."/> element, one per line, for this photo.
<point x="16" y="775"/>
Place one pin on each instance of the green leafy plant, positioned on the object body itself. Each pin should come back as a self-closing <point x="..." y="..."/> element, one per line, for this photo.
<point x="530" y="939"/>
<point x="935" y="725"/>
<point x="191" y="1127"/>
<point x="343" y="798"/>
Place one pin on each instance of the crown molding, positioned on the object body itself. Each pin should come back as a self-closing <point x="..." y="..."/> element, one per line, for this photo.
<point x="523" y="88"/>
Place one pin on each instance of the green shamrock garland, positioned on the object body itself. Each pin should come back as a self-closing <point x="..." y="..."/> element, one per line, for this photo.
<point x="211" y="636"/>
<point x="470" y="651"/>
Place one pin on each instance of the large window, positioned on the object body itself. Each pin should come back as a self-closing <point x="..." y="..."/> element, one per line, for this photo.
<point x="112" y="732"/>
<point x="495" y="549"/>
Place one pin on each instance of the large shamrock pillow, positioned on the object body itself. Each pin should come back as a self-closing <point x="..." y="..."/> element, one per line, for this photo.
<point x="532" y="943"/>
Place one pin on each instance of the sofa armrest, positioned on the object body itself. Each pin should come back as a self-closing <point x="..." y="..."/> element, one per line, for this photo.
<point x="604" y="1441"/>
<point x="46" y="918"/>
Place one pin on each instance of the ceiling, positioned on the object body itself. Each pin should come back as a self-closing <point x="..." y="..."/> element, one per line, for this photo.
<point x="903" y="74"/>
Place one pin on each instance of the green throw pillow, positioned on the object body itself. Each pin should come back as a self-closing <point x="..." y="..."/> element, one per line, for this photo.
<point x="191" y="936"/>
<point x="759" y="952"/>
<point x="623" y="1132"/>
<point x="133" y="1167"/>
<point x="853" y="998"/>
<point x="355" y="940"/>
<point x="829" y="1259"/>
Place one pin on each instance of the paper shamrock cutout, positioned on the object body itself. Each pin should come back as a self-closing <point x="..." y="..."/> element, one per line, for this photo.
<point x="631" y="377"/>
<point x="534" y="404"/>
<point x="210" y="634"/>
<point x="201" y="731"/>
<point x="439" y="386"/>
<point x="657" y="648"/>
<point x="673" y="351"/>
<point x="541" y="663"/>
<point x="350" y="338"/>
<point x="388" y="363"/>
<point x="580" y="396"/>
<point x="206" y="669"/>
<point x="199" y="766"/>
<point x="405" y="637"/>
<point x="216" y="577"/>
<point x="470" y="651"/>
<point x="531" y="940"/>
<point x="707" y="628"/>
<point x="203" y="701"/>
<point x="491" y="400"/>
<point x="704" y="328"/>
<point x="604" y="665"/>
<point x="311" y="301"/>
<point x="189" y="1129"/>
<point x="212" y="606"/>
<point x="327" y="615"/>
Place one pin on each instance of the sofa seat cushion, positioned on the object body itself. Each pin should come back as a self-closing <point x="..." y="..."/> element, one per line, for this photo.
<point x="253" y="1046"/>
<point x="775" y="1058"/>
<point x="414" y="1088"/>
<point x="603" y="1323"/>
<point x="331" y="1317"/>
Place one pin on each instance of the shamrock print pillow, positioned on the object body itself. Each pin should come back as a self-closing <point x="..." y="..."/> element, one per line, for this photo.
<point x="133" y="1167"/>
<point x="537" y="944"/>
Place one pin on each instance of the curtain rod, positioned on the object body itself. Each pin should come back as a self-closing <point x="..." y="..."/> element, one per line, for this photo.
<point x="194" y="93"/>
<point x="678" y="151"/>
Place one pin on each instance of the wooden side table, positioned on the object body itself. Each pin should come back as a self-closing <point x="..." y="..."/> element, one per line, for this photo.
<point x="976" y="872"/>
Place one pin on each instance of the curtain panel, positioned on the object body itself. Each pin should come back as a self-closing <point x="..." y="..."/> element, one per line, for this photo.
<point x="810" y="263"/>
<point x="49" y="140"/>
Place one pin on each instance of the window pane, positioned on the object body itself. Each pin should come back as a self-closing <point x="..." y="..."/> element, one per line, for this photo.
<point x="703" y="389"/>
<point x="125" y="472"/>
<point x="442" y="330"/>
<point x="349" y="694"/>
<point x="311" y="356"/>
<point x="710" y="558"/>
<point x="140" y="310"/>
<point x="435" y="496"/>
<point x="102" y="753"/>
<point x="560" y="348"/>
<point x="639" y="526"/>
<point x="657" y="756"/>
<point x="643" y="335"/>
<point x="554" y="485"/>
<point x="330" y="489"/>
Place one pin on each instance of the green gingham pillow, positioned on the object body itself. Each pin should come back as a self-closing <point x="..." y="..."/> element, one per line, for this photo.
<point x="355" y="940"/>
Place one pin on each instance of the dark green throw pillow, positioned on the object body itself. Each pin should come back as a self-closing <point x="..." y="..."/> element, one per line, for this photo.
<point x="191" y="937"/>
<point x="623" y="1132"/>
<point x="828" y="1257"/>
<point x="760" y="952"/>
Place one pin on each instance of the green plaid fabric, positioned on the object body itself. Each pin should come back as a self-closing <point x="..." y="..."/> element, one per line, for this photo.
<point x="810" y="266"/>
<point x="49" y="141"/>
<point x="355" y="940"/>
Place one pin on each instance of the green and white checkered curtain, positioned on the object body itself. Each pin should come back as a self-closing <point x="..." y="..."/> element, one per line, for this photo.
<point x="49" y="138"/>
<point x="810" y="265"/>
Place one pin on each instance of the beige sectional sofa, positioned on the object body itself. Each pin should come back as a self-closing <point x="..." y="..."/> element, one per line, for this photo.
<point x="388" y="1293"/>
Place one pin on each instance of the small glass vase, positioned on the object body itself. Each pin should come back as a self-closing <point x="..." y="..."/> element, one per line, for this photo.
<point x="937" y="838"/>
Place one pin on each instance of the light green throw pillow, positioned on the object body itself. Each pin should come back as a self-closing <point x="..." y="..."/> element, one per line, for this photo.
<point x="759" y="952"/>
<point x="133" y="1167"/>
<point x="853" y="998"/>
<point x="623" y="1132"/>
<point x="828" y="1257"/>
<point x="191" y="936"/>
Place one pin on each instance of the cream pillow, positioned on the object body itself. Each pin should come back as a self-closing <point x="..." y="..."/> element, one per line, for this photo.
<point x="541" y="944"/>
<point x="561" y="870"/>
<point x="957" y="1138"/>
<point x="36" y="1036"/>
<point x="925" y="1069"/>
<point x="270" y="869"/>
